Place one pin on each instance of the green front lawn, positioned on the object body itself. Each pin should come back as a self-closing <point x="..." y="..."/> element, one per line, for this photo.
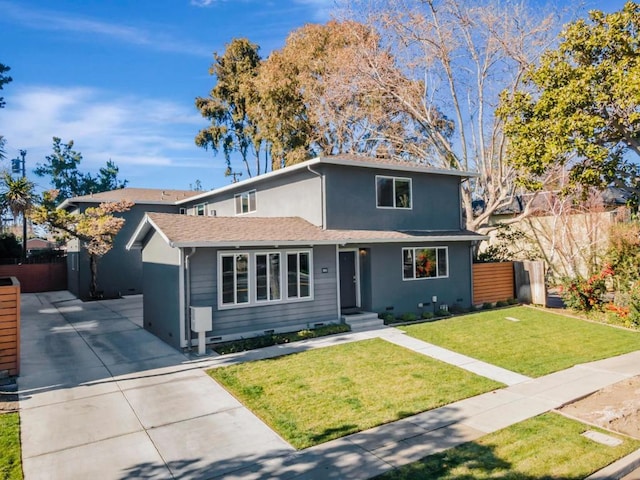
<point x="549" y="446"/>
<point x="318" y="395"/>
<point x="10" y="459"/>
<point x="539" y="343"/>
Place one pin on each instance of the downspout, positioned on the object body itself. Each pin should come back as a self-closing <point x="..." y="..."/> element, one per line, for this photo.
<point x="187" y="295"/>
<point x="322" y="196"/>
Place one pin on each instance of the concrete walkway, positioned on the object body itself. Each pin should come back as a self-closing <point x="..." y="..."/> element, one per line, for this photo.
<point x="102" y="398"/>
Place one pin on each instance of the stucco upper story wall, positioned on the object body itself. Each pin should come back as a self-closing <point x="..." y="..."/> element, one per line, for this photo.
<point x="296" y="195"/>
<point x="351" y="201"/>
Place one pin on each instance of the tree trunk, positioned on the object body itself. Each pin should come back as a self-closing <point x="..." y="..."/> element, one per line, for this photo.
<point x="93" y="267"/>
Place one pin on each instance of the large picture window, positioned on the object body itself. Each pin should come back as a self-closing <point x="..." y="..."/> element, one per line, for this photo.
<point x="418" y="263"/>
<point x="245" y="202"/>
<point x="393" y="192"/>
<point x="254" y="278"/>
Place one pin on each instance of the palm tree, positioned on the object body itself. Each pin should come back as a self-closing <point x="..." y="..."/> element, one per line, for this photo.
<point x="18" y="195"/>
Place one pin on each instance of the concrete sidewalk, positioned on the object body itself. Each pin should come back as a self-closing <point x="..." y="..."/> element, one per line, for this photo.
<point x="102" y="398"/>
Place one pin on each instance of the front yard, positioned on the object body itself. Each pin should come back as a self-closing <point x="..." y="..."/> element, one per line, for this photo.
<point x="525" y="340"/>
<point x="318" y="395"/>
<point x="10" y="459"/>
<point x="549" y="446"/>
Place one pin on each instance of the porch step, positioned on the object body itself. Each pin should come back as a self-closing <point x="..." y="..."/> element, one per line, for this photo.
<point x="363" y="321"/>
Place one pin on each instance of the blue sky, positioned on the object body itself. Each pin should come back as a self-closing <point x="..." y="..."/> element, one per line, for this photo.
<point x="119" y="77"/>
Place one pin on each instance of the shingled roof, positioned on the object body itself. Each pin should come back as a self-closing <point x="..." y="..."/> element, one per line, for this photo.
<point x="136" y="195"/>
<point x="200" y="231"/>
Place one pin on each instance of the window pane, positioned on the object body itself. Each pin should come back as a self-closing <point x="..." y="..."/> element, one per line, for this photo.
<point x="305" y="272"/>
<point x="252" y="201"/>
<point x="426" y="263"/>
<point x="242" y="278"/>
<point x="407" y="263"/>
<point x="442" y="262"/>
<point x="384" y="187"/>
<point x="227" y="280"/>
<point x="238" y="201"/>
<point x="200" y="210"/>
<point x="274" y="276"/>
<point x="261" y="277"/>
<point x="403" y="193"/>
<point x="292" y="275"/>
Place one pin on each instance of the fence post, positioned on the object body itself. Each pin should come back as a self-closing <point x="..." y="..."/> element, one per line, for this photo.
<point x="530" y="282"/>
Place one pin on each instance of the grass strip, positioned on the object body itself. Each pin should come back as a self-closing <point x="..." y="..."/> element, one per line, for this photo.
<point x="546" y="447"/>
<point x="10" y="456"/>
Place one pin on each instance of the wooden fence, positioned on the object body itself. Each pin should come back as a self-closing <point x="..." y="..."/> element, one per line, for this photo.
<point x="493" y="282"/>
<point x="38" y="277"/>
<point x="9" y="326"/>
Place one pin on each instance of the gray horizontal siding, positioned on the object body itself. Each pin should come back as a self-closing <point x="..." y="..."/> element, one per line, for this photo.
<point x="275" y="316"/>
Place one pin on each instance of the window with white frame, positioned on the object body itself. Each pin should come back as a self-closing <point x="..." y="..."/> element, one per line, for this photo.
<point x="419" y="262"/>
<point x="298" y="275"/>
<point x="245" y="202"/>
<point x="254" y="278"/>
<point x="234" y="270"/>
<point x="393" y="192"/>
<point x="199" y="209"/>
<point x="268" y="278"/>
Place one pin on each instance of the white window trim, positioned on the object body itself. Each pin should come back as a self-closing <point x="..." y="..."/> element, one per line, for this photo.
<point x="204" y="209"/>
<point x="248" y="194"/>
<point x="394" y="207"/>
<point x="268" y="300"/>
<point x="253" y="302"/>
<point x="235" y="303"/>
<point x="414" y="263"/>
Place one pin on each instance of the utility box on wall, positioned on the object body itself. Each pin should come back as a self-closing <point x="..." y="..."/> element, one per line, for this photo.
<point x="9" y="326"/>
<point x="201" y="320"/>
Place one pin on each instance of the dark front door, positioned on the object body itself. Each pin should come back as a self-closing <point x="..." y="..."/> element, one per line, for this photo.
<point x="348" y="280"/>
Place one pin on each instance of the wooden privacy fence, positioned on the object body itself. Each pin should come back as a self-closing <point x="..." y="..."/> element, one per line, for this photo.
<point x="492" y="282"/>
<point x="38" y="277"/>
<point x="525" y="281"/>
<point x="9" y="326"/>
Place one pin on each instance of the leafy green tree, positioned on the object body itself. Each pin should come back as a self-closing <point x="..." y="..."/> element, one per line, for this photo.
<point x="4" y="79"/>
<point x="581" y="106"/>
<point x="227" y="107"/>
<point x="62" y="168"/>
<point x="96" y="228"/>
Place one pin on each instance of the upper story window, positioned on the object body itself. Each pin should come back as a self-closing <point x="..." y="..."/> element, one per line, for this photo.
<point x="183" y="211"/>
<point x="393" y="192"/>
<point x="199" y="209"/>
<point x="245" y="202"/>
<point x="420" y="263"/>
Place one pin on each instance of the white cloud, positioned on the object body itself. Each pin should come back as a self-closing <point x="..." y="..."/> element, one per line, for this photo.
<point x="51" y="20"/>
<point x="135" y="133"/>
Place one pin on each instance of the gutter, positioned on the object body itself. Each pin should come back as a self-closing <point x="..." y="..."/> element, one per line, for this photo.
<point x="187" y="295"/>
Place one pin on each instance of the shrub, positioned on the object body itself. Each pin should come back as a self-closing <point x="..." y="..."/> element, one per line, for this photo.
<point x="512" y="301"/>
<point x="487" y="306"/>
<point x="443" y="313"/>
<point x="387" y="317"/>
<point x="427" y="315"/>
<point x="502" y="303"/>
<point x="586" y="295"/>
<point x="278" y="338"/>
<point x="408" y="317"/>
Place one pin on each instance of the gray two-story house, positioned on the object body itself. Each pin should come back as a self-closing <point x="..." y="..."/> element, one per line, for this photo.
<point x="305" y="245"/>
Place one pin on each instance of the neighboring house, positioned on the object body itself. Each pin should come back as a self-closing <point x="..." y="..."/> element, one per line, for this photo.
<point x="120" y="270"/>
<point x="304" y="246"/>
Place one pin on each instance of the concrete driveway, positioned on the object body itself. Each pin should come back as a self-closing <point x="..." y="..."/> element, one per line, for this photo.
<point x="102" y="398"/>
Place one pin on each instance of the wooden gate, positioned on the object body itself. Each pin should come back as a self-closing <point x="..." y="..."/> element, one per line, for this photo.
<point x="493" y="282"/>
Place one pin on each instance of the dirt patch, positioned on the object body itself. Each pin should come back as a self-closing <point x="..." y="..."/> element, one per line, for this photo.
<point x="616" y="407"/>
<point x="8" y="395"/>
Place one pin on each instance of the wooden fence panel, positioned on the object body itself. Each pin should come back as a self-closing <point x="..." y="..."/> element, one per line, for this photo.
<point x="10" y="326"/>
<point x="38" y="277"/>
<point x="493" y="282"/>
